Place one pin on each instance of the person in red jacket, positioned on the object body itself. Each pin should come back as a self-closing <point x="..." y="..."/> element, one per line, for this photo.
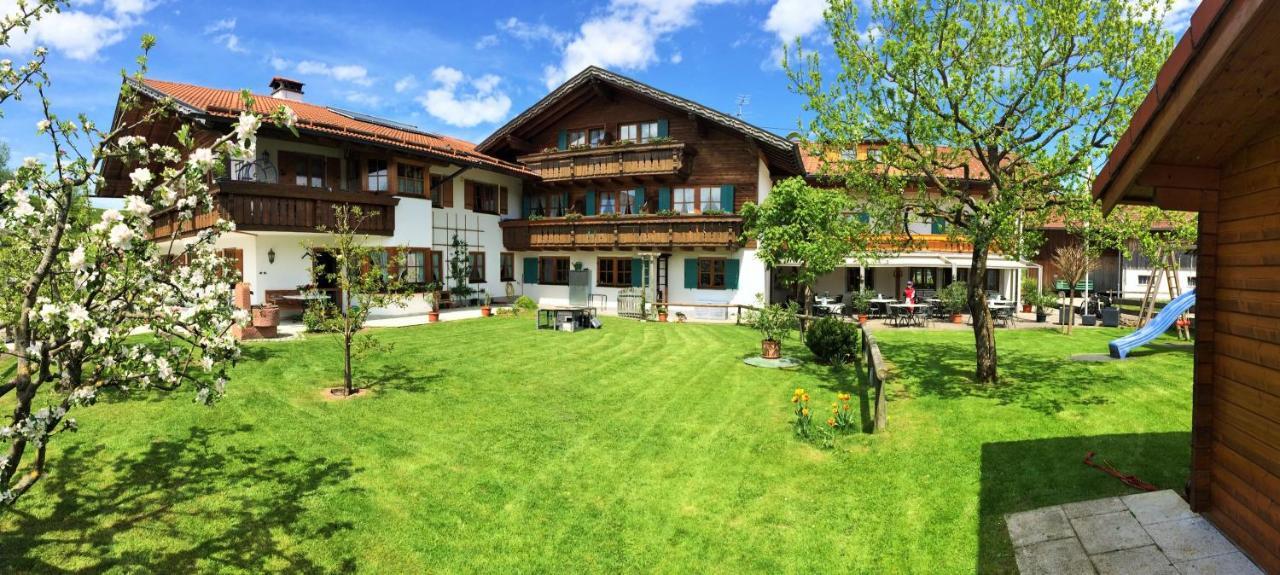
<point x="910" y="295"/>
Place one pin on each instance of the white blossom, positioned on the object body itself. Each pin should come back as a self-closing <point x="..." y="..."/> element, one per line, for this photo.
<point x="76" y="259"/>
<point x="42" y="126"/>
<point x="290" y="117"/>
<point x="247" y="127"/>
<point x="121" y="236"/>
<point x="137" y="206"/>
<point x="100" y="336"/>
<point x="202" y="158"/>
<point x="141" y="177"/>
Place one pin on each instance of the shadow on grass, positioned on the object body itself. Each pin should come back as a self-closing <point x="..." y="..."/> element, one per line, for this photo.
<point x="1025" y="475"/>
<point x="397" y="377"/>
<point x="1044" y="383"/>
<point x="202" y="502"/>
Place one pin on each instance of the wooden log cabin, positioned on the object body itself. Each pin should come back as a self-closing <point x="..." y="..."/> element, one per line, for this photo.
<point x="1207" y="139"/>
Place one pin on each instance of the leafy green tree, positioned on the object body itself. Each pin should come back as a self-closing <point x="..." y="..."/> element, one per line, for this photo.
<point x="988" y="112"/>
<point x="365" y="284"/>
<point x="807" y="227"/>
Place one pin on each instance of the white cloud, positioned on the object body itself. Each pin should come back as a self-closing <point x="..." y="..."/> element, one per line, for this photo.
<point x="223" y="32"/>
<point x="1179" y="14"/>
<point x="77" y="34"/>
<point x="279" y="64"/>
<point x="463" y="103"/>
<point x="528" y="32"/>
<point x="406" y="83"/>
<point x="677" y="58"/>
<point x="353" y="73"/>
<point x="363" y="99"/>
<point x="487" y="41"/>
<point x="792" y="19"/>
<point x="624" y="36"/>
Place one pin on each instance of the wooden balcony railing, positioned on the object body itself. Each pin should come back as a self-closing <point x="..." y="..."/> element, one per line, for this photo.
<point x="256" y="206"/>
<point x="666" y="159"/>
<point x="926" y="243"/>
<point x="627" y="232"/>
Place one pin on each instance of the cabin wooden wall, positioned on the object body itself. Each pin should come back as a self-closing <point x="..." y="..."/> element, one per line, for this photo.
<point x="1236" y="421"/>
<point x="719" y="156"/>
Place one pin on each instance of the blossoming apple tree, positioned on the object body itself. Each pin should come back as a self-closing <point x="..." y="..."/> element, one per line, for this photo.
<point x="92" y="302"/>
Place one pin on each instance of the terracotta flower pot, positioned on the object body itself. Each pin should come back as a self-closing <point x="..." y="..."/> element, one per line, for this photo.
<point x="486" y="311"/>
<point x="433" y="316"/>
<point x="266" y="316"/>
<point x="1026" y="308"/>
<point x="662" y="316"/>
<point x="770" y="349"/>
<point x="862" y="319"/>
<point x="957" y="318"/>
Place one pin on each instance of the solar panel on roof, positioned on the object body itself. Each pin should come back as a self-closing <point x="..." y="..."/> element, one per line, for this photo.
<point x="380" y="121"/>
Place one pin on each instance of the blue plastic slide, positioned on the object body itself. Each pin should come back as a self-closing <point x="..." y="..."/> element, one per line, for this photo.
<point x="1159" y="324"/>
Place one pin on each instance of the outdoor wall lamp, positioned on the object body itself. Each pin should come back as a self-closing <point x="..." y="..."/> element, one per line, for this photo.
<point x="271" y="256"/>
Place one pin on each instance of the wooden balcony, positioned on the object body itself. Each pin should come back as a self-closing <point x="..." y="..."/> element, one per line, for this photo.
<point x="627" y="232"/>
<point x="926" y="243"/>
<point x="256" y="206"/>
<point x="608" y="162"/>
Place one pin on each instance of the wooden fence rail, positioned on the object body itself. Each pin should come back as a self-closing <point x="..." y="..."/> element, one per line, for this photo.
<point x="877" y="373"/>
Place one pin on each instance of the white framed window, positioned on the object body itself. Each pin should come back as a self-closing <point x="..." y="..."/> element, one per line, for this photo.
<point x="709" y="198"/>
<point x="577" y="138"/>
<point x="683" y="200"/>
<point x="596" y="137"/>
<point x="648" y="131"/>
<point x="609" y="202"/>
<point x="627" y="132"/>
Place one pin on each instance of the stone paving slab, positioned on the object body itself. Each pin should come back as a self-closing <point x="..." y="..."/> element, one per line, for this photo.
<point x="1142" y="534"/>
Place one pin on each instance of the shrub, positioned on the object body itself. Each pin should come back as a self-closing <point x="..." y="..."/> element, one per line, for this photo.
<point x="525" y="303"/>
<point x="319" y="316"/>
<point x="773" y="321"/>
<point x="831" y="340"/>
<point x="955" y="297"/>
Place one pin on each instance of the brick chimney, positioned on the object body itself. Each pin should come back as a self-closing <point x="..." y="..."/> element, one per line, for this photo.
<point x="286" y="89"/>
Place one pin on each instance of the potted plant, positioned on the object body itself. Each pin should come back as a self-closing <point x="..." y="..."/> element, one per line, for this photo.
<point x="955" y="300"/>
<point x="486" y="304"/>
<point x="1030" y="291"/>
<point x="1042" y="302"/>
<point x="266" y="315"/>
<point x="662" y="313"/>
<point x="774" y="322"/>
<point x="860" y="303"/>
<point x="432" y="299"/>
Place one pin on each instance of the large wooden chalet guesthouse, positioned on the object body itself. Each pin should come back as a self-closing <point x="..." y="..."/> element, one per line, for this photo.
<point x="1207" y="139"/>
<point x="638" y="186"/>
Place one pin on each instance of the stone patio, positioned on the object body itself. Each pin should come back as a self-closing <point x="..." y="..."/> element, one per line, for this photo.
<point x="1146" y="533"/>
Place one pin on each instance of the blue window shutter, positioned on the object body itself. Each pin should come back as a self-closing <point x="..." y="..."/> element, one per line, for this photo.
<point x="637" y="272"/>
<point x="638" y="202"/>
<point x="864" y="217"/>
<point x="591" y="203"/>
<point x="691" y="273"/>
<point x="731" y="274"/>
<point x="531" y="270"/>
<point x="562" y="141"/>
<point x="939" y="226"/>
<point x="726" y="198"/>
<point x="662" y="127"/>
<point x="664" y="198"/>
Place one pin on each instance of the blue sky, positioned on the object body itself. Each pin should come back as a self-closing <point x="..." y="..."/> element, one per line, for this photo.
<point x="460" y="68"/>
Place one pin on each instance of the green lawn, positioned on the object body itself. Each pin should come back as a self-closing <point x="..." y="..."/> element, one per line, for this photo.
<point x="642" y="447"/>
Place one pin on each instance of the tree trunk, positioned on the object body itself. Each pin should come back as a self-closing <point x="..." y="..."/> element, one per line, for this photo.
<point x="346" y="365"/>
<point x="983" y="327"/>
<point x="1071" y="308"/>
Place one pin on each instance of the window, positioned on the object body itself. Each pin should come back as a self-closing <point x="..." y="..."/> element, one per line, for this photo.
<point x="477" y="268"/>
<point x="853" y="279"/>
<point x="308" y="170"/>
<point x="410" y="179"/>
<point x="641" y="132"/>
<point x="413" y="267"/>
<point x="559" y="205"/>
<point x="710" y="198"/>
<point x="1191" y="281"/>
<point x="710" y="273"/>
<point x="437" y="190"/>
<point x="1142" y="280"/>
<point x="924" y="278"/>
<point x="613" y="272"/>
<point x="577" y="138"/>
<point x="486" y="198"/>
<point x="553" y="271"/>
<point x="376" y="181"/>
<point x="437" y="268"/>
<point x="621" y="202"/>
<point x="378" y="261"/>
<point x="506" y="267"/>
<point x="682" y="200"/>
<point x="595" y="137"/>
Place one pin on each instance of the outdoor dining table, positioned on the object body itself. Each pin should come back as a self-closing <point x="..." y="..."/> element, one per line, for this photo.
<point x="912" y="308"/>
<point x="882" y="304"/>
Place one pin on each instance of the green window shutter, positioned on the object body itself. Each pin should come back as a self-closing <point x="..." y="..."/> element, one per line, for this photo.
<point x="637" y="272"/>
<point x="864" y="217"/>
<point x="731" y="274"/>
<point x="638" y="202"/>
<point x="531" y="270"/>
<point x="691" y="273"/>
<point x="664" y="198"/>
<point x="524" y="207"/>
<point x="662" y="127"/>
<point x="726" y="198"/>
<point x="939" y="226"/>
<point x="562" y="140"/>
<point x="591" y="203"/>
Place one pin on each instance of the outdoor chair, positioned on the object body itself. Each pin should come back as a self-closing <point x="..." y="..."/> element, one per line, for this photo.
<point x="894" y="316"/>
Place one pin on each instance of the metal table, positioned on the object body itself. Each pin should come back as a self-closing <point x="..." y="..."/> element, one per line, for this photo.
<point x="558" y="317"/>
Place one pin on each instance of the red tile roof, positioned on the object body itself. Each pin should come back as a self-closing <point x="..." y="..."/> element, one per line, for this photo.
<point x="316" y="118"/>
